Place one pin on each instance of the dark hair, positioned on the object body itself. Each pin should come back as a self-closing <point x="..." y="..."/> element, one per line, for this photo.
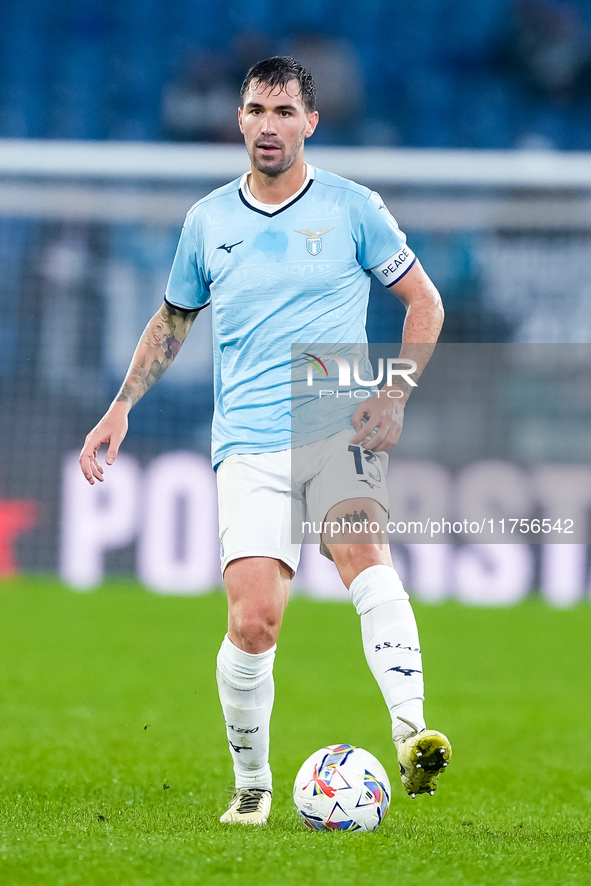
<point x="278" y="71"/>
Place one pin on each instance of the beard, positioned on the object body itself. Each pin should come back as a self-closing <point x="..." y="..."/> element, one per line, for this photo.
<point x="272" y="167"/>
<point x="277" y="165"/>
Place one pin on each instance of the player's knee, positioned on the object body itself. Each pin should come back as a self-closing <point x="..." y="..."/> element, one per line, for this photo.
<point x="351" y="559"/>
<point x="359" y="556"/>
<point x="256" y="631"/>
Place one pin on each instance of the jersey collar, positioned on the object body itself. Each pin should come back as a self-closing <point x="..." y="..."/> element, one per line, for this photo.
<point x="271" y="209"/>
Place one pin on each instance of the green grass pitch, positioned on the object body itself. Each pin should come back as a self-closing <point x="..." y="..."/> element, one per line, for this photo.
<point x="113" y="761"/>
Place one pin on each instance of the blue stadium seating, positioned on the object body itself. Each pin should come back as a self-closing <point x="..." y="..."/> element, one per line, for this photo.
<point x="436" y="74"/>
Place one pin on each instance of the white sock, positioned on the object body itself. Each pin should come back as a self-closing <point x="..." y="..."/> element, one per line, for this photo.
<point x="246" y="689"/>
<point x="391" y="644"/>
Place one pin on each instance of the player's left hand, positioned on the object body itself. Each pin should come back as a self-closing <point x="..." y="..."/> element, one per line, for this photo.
<point x="378" y="422"/>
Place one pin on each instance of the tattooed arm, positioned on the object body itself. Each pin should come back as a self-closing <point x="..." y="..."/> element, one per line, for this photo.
<point x="160" y="343"/>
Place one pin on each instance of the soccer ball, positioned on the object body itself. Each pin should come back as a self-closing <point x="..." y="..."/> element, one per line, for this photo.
<point x="342" y="788"/>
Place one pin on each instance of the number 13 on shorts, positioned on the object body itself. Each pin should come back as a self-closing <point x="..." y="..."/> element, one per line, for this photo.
<point x="367" y="465"/>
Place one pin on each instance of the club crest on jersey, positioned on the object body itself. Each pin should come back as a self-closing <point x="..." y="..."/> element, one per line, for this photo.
<point x="313" y="239"/>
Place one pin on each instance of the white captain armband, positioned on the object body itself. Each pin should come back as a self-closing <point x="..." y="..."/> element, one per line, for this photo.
<point x="394" y="269"/>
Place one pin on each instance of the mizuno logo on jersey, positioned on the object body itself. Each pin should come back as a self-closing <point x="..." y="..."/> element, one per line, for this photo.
<point x="314" y="239"/>
<point x="230" y="248"/>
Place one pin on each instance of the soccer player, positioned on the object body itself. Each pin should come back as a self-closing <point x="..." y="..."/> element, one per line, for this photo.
<point x="285" y="255"/>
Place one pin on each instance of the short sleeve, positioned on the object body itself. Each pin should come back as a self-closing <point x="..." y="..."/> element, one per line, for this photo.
<point x="382" y="246"/>
<point x="187" y="287"/>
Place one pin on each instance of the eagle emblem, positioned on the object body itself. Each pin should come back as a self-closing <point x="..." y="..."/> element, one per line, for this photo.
<point x="313" y="239"/>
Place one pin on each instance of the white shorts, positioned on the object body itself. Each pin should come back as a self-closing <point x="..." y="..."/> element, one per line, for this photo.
<point x="264" y="498"/>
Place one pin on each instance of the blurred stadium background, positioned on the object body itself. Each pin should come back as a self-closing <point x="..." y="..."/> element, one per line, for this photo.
<point x="471" y="119"/>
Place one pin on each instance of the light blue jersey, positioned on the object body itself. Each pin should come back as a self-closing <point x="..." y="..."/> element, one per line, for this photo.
<point x="276" y="276"/>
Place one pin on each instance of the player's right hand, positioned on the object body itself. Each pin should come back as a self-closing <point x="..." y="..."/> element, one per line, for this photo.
<point x="111" y="431"/>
